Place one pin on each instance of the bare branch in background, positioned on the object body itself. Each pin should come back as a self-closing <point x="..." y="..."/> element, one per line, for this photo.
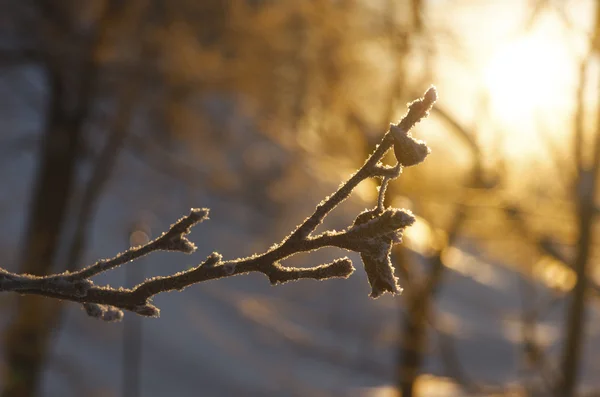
<point x="586" y="186"/>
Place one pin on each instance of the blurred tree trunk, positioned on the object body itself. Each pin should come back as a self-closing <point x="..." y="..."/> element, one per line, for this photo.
<point x="576" y="314"/>
<point x="419" y="302"/>
<point x="420" y="297"/>
<point x="25" y="341"/>
<point x="70" y="96"/>
<point x="413" y="339"/>
<point x="586" y="187"/>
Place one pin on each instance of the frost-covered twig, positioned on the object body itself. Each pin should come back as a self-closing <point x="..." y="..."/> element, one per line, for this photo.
<point x="372" y="234"/>
<point x="172" y="240"/>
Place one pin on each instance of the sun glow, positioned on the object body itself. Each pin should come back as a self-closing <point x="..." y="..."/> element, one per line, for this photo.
<point x="530" y="76"/>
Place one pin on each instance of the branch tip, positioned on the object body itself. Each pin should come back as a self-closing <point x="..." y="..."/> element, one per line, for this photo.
<point x="418" y="109"/>
<point x="431" y="96"/>
<point x="342" y="267"/>
<point x="198" y="214"/>
<point x="177" y="243"/>
<point x="339" y="268"/>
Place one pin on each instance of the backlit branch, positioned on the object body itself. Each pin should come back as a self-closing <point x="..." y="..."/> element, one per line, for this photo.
<point x="371" y="235"/>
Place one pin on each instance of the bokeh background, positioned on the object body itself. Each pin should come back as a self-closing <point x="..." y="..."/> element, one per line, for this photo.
<point x="116" y="117"/>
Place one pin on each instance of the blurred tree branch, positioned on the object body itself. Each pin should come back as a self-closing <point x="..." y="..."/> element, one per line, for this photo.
<point x="420" y="298"/>
<point x="71" y="72"/>
<point x="584" y="189"/>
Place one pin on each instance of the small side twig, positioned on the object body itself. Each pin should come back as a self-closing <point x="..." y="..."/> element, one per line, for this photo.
<point x="172" y="240"/>
<point x="372" y="234"/>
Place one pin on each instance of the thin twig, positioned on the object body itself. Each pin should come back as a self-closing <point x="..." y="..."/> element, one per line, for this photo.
<point x="172" y="240"/>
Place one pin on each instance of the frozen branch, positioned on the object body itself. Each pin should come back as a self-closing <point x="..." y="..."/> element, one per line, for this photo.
<point x="371" y="235"/>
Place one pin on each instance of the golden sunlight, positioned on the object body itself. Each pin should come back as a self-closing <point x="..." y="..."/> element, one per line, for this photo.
<point x="529" y="76"/>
